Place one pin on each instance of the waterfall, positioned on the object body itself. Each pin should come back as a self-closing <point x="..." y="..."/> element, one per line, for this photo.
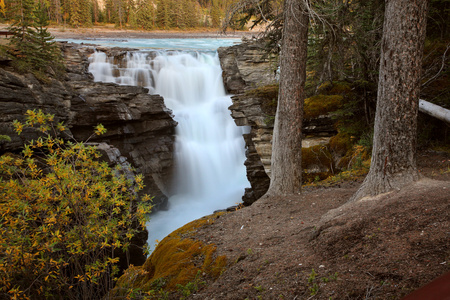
<point x="209" y="148"/>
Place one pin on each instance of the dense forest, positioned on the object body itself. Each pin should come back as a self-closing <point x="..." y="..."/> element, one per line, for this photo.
<point x="138" y="14"/>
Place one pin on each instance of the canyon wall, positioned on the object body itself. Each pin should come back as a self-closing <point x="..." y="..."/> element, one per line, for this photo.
<point x="250" y="74"/>
<point x="139" y="126"/>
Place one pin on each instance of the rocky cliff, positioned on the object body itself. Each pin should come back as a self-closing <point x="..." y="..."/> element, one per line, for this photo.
<point x="140" y="127"/>
<point x="250" y="73"/>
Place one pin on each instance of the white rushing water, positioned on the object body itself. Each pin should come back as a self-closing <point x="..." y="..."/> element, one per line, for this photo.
<point x="209" y="148"/>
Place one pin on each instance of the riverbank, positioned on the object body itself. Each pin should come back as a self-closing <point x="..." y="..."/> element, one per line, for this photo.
<point x="110" y="31"/>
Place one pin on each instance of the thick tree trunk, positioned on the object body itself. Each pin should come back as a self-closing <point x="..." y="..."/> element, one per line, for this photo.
<point x="394" y="149"/>
<point x="286" y="172"/>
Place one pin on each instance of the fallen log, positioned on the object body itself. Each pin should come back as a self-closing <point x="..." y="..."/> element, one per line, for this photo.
<point x="5" y="33"/>
<point x="434" y="110"/>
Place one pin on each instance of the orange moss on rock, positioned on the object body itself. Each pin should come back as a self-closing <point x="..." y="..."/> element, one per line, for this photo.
<point x="176" y="261"/>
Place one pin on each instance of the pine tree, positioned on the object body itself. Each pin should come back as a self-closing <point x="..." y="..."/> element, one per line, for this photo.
<point x="145" y="14"/>
<point x="393" y="163"/>
<point x="215" y="14"/>
<point x="31" y="46"/>
<point x="191" y="13"/>
<point x="163" y="14"/>
<point x="21" y="44"/>
<point x="46" y="48"/>
<point x="286" y="165"/>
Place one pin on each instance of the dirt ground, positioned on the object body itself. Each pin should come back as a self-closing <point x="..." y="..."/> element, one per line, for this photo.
<point x="315" y="246"/>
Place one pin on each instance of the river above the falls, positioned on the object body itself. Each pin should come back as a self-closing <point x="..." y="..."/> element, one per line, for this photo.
<point x="209" y="148"/>
<point x="184" y="44"/>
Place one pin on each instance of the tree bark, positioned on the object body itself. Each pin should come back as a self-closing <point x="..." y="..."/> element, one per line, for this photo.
<point x="395" y="134"/>
<point x="286" y="172"/>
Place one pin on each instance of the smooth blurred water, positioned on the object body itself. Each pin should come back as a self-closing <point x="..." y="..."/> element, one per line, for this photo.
<point x="209" y="148"/>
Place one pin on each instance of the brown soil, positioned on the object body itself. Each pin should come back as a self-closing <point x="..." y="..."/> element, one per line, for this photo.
<point x="382" y="248"/>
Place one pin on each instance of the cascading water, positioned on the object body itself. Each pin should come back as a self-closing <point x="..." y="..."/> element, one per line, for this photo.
<point x="209" y="148"/>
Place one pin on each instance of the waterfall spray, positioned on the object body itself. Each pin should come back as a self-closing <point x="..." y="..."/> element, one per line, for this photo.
<point x="209" y="148"/>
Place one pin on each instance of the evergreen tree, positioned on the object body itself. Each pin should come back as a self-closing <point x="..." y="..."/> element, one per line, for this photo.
<point x="215" y="14"/>
<point x="46" y="48"/>
<point x="191" y="12"/>
<point x="31" y="46"/>
<point x="163" y="14"/>
<point x="146" y="14"/>
<point x="286" y="164"/>
<point x="393" y="163"/>
<point x="22" y="46"/>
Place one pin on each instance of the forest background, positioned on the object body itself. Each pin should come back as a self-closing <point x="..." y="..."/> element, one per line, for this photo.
<point x="135" y="14"/>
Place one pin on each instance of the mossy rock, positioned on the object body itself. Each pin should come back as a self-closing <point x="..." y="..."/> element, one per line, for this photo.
<point x="319" y="105"/>
<point x="335" y="88"/>
<point x="175" y="262"/>
<point x="268" y="96"/>
<point x="318" y="157"/>
<point x="341" y="143"/>
<point x="340" y="88"/>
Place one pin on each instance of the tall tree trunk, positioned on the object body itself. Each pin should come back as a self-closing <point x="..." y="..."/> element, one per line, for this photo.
<point x="286" y="171"/>
<point x="395" y="135"/>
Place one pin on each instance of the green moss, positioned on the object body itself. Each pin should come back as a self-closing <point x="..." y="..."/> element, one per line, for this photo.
<point x="176" y="261"/>
<point x="341" y="143"/>
<point x="340" y="88"/>
<point x="318" y="105"/>
<point x="268" y="97"/>
<point x="317" y="156"/>
<point x="334" y="88"/>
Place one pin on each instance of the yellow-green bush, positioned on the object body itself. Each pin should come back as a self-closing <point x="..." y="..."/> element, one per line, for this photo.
<point x="63" y="213"/>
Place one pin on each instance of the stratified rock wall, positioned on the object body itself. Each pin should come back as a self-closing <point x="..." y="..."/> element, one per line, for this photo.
<point x="250" y="74"/>
<point x="138" y="124"/>
<point x="245" y="67"/>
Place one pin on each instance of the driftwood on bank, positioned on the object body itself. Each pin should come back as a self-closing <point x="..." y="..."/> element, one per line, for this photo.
<point x="434" y="110"/>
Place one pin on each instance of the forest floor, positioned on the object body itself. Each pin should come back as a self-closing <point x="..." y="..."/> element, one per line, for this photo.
<point x="318" y="246"/>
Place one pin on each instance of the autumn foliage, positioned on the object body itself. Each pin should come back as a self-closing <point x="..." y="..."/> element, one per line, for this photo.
<point x="63" y="214"/>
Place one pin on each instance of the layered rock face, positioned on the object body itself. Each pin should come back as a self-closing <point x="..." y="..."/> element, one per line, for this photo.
<point x="138" y="125"/>
<point x="250" y="74"/>
<point x="246" y="67"/>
